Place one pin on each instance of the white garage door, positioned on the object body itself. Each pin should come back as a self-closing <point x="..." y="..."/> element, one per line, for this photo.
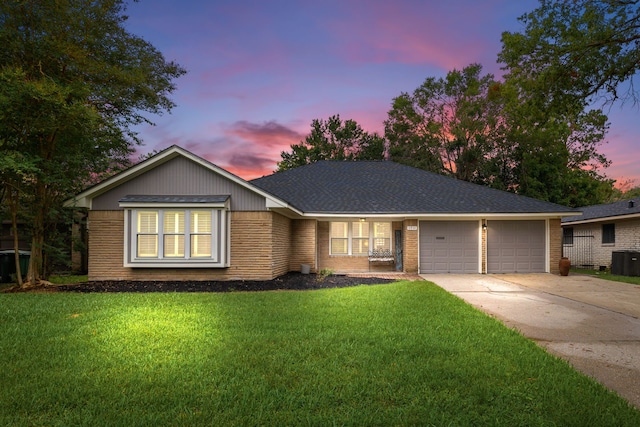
<point x="516" y="246"/>
<point x="449" y="246"/>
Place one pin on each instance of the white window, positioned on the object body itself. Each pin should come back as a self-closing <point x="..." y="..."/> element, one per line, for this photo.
<point x="339" y="238"/>
<point x="358" y="237"/>
<point x="176" y="237"/>
<point x="382" y="236"/>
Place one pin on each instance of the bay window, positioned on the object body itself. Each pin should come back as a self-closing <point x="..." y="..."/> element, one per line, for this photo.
<point x="183" y="235"/>
<point x="358" y="237"/>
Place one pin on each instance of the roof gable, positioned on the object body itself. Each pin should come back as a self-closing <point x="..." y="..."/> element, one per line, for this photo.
<point x="384" y="187"/>
<point x="85" y="198"/>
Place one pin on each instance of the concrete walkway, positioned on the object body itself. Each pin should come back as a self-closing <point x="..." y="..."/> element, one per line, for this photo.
<point x="592" y="323"/>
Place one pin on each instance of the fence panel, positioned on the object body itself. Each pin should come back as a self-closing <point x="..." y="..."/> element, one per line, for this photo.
<point x="579" y="250"/>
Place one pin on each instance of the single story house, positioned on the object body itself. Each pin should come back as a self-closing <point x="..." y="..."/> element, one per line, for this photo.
<point x="177" y="216"/>
<point x="590" y="239"/>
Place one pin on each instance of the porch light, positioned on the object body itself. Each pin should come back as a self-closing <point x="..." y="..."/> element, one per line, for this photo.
<point x="484" y="226"/>
<point x="363" y="219"/>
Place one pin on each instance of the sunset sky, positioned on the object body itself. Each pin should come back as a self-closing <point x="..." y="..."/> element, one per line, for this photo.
<point x="259" y="71"/>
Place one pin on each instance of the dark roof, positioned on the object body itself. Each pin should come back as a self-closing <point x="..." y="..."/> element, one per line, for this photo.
<point x="383" y="187"/>
<point x="610" y="210"/>
<point x="173" y="199"/>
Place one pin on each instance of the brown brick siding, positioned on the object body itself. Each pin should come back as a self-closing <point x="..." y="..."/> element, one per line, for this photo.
<point x="253" y="235"/>
<point x="281" y="244"/>
<point x="555" y="245"/>
<point x="303" y="244"/>
<point x="410" y="246"/>
<point x="483" y="246"/>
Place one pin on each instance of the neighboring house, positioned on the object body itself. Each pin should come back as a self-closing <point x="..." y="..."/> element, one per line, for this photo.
<point x="590" y="239"/>
<point x="177" y="216"/>
<point x="6" y="237"/>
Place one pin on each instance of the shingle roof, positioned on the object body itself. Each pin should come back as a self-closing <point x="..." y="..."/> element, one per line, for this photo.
<point x="383" y="187"/>
<point x="610" y="210"/>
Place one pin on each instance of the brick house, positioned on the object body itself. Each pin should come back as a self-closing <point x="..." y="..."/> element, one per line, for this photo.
<point x="177" y="216"/>
<point x="590" y="239"/>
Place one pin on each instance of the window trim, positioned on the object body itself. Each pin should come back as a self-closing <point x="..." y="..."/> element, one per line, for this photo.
<point x="220" y="235"/>
<point x="350" y="238"/>
<point x="567" y="236"/>
<point x="611" y="234"/>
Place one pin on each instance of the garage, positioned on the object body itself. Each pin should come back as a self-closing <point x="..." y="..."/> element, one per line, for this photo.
<point x="449" y="246"/>
<point x="516" y="246"/>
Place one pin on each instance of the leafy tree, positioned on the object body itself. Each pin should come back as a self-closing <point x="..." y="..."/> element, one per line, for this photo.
<point x="554" y="142"/>
<point x="585" y="47"/>
<point x="517" y="135"/>
<point x="448" y="126"/>
<point x="334" y="139"/>
<point x="73" y="82"/>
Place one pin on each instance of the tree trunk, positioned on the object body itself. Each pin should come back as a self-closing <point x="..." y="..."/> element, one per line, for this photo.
<point x="34" y="274"/>
<point x="13" y="207"/>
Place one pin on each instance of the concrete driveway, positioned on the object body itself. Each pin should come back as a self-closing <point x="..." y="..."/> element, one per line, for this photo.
<point x="592" y="323"/>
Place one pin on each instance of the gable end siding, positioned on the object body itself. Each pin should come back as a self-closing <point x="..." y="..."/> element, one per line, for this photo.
<point x="194" y="180"/>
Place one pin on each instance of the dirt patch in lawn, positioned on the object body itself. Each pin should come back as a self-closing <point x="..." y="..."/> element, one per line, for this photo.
<point x="289" y="281"/>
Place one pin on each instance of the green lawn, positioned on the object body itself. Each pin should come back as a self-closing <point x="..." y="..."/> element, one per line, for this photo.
<point x="406" y="353"/>
<point x="608" y="276"/>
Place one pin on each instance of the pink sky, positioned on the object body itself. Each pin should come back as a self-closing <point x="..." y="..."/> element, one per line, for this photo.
<point x="260" y="71"/>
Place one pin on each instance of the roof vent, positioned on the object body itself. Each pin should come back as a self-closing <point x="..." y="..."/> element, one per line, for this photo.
<point x="631" y="204"/>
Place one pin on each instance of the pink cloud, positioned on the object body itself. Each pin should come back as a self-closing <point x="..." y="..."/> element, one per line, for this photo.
<point x="268" y="134"/>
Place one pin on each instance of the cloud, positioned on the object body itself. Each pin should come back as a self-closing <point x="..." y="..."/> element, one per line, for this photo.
<point x="266" y="134"/>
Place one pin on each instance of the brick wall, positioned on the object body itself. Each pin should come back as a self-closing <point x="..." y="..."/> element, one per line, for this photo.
<point x="410" y="246"/>
<point x="555" y="245"/>
<point x="253" y="234"/>
<point x="627" y="238"/>
<point x="483" y="246"/>
<point x="303" y="244"/>
<point x="281" y="244"/>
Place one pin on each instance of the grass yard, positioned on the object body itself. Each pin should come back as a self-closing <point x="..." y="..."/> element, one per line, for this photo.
<point x="634" y="280"/>
<point x="406" y="353"/>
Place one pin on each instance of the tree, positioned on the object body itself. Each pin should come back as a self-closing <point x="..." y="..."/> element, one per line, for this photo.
<point x="333" y="139"/>
<point x="517" y="135"/>
<point x="553" y="144"/>
<point x="73" y="82"/>
<point x="584" y="47"/>
<point x="448" y="126"/>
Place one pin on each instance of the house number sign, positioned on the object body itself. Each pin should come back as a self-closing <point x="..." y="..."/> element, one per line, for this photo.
<point x="412" y="227"/>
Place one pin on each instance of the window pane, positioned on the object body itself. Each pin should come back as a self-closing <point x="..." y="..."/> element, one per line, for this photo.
<point x="360" y="229"/>
<point x="567" y="235"/>
<point x="201" y="221"/>
<point x="608" y="233"/>
<point x="173" y="222"/>
<point x="339" y="229"/>
<point x="382" y="236"/>
<point x="147" y="222"/>
<point x="360" y="246"/>
<point x="174" y="245"/>
<point x="382" y="229"/>
<point x="147" y="246"/>
<point x="201" y="245"/>
<point x="339" y="246"/>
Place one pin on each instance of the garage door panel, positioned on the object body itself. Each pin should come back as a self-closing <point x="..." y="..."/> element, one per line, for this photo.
<point x="516" y="246"/>
<point x="449" y="246"/>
